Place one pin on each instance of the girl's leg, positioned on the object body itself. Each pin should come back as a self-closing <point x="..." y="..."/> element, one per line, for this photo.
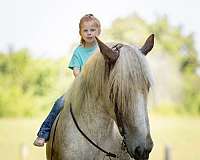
<point x="44" y="132"/>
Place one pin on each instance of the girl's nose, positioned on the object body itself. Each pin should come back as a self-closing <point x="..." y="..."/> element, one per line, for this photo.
<point x="89" y="32"/>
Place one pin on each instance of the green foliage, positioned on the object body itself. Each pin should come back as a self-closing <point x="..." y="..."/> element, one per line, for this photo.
<point x="192" y="94"/>
<point x="127" y="29"/>
<point x="27" y="84"/>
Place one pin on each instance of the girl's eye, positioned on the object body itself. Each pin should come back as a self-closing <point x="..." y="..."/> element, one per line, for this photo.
<point x="93" y="30"/>
<point x="85" y="30"/>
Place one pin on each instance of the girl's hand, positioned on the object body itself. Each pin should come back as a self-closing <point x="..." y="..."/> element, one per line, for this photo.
<point x="76" y="72"/>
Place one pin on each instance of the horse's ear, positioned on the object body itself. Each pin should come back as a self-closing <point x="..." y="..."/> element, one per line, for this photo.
<point x="107" y="52"/>
<point x="148" y="45"/>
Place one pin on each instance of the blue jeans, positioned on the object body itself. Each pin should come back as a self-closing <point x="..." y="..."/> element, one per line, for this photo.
<point x="45" y="129"/>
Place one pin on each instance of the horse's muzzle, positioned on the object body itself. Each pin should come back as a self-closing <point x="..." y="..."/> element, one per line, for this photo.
<point x="139" y="153"/>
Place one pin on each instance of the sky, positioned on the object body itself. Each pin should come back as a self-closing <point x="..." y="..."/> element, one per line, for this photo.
<point x="48" y="28"/>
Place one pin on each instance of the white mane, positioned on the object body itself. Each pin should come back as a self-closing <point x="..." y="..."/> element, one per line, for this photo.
<point x="129" y="75"/>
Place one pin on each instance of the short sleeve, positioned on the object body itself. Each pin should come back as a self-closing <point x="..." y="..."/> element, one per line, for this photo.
<point x="75" y="61"/>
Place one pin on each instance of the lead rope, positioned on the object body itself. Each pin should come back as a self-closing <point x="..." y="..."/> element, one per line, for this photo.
<point x="109" y="154"/>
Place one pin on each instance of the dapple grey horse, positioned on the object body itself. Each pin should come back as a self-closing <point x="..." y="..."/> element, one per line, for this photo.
<point x="109" y="102"/>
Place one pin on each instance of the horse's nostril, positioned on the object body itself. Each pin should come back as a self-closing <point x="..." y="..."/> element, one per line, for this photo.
<point x="146" y="154"/>
<point x="141" y="153"/>
<point x="138" y="151"/>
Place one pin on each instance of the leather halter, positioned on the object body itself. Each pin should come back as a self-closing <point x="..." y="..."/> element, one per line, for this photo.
<point x="119" y="120"/>
<point x="116" y="48"/>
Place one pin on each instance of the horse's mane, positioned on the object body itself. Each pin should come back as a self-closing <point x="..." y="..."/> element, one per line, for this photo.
<point x="129" y="75"/>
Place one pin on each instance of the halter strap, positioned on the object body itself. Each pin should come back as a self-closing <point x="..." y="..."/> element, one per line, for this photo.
<point x="116" y="48"/>
<point x="119" y="121"/>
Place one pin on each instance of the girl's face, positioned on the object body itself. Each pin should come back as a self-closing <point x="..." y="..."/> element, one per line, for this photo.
<point x="88" y="32"/>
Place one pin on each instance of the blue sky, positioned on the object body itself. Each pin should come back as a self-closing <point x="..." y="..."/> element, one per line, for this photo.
<point x="49" y="27"/>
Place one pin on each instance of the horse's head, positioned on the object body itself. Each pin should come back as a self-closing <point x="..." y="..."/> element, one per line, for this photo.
<point x="128" y="82"/>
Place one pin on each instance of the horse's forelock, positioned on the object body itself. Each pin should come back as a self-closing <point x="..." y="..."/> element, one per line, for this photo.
<point x="129" y="76"/>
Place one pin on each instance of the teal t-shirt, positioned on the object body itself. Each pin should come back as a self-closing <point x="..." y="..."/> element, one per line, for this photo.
<point x="80" y="56"/>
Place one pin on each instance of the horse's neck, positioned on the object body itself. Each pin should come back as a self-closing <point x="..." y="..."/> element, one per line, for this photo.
<point x="93" y="108"/>
<point x="89" y="108"/>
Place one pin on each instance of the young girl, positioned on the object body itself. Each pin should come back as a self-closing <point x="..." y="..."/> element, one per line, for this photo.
<point x="89" y="28"/>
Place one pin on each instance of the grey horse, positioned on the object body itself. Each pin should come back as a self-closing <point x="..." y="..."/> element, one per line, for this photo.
<point x="109" y="101"/>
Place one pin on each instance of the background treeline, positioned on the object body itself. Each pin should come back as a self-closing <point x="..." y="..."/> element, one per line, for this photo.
<point x="29" y="85"/>
<point x="174" y="61"/>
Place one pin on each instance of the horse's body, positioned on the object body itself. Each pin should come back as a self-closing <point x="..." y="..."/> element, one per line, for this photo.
<point x="109" y="86"/>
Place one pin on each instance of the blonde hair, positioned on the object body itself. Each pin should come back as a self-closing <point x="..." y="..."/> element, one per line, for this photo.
<point x="87" y="18"/>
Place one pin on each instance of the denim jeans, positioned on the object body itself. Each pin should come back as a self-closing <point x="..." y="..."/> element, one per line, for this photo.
<point x="46" y="126"/>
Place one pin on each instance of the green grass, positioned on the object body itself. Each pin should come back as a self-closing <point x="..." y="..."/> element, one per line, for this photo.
<point x="182" y="134"/>
<point x="16" y="132"/>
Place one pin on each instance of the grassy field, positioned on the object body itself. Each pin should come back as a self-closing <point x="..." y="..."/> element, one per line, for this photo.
<point x="181" y="134"/>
